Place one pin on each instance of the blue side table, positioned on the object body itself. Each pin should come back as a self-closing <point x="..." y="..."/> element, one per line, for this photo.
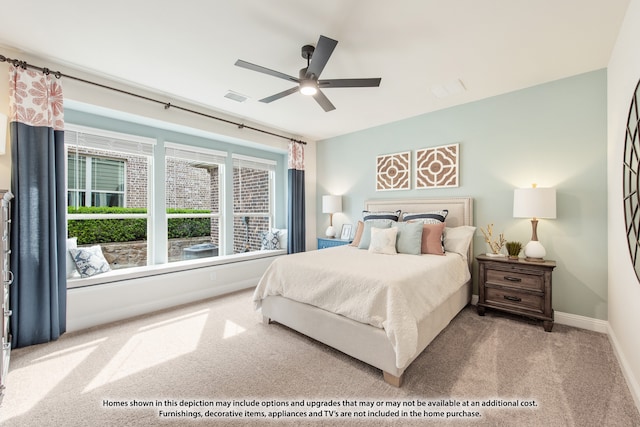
<point x="324" y="243"/>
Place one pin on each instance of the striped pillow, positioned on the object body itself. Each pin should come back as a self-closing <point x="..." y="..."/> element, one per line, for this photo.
<point x="393" y="216"/>
<point x="433" y="217"/>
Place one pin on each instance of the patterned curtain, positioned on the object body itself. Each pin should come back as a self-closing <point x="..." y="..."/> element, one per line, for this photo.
<point x="38" y="229"/>
<point x="296" y="217"/>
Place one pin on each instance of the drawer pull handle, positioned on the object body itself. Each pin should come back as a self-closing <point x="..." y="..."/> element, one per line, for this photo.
<point x="512" y="279"/>
<point x="510" y="298"/>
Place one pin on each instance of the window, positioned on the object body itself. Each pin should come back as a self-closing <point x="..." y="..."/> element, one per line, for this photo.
<point x="253" y="201"/>
<point x="108" y="177"/>
<point x="95" y="181"/>
<point x="194" y="180"/>
<point x="148" y="203"/>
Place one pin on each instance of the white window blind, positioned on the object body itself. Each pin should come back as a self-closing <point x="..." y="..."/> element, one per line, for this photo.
<point x="240" y="161"/>
<point x="98" y="139"/>
<point x="194" y="154"/>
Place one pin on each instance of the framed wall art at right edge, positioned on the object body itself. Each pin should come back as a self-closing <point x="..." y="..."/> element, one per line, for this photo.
<point x="437" y="167"/>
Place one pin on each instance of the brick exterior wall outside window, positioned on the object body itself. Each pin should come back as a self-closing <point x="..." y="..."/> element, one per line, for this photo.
<point x="194" y="187"/>
<point x="250" y="195"/>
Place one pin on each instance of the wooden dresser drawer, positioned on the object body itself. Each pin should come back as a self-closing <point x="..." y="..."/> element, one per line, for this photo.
<point x="523" y="280"/>
<point x="516" y="286"/>
<point x="513" y="299"/>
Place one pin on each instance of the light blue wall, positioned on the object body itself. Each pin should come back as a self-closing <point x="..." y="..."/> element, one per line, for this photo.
<point x="553" y="134"/>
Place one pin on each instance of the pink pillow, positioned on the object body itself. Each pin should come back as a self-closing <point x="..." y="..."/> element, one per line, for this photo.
<point x="358" y="235"/>
<point x="432" y="239"/>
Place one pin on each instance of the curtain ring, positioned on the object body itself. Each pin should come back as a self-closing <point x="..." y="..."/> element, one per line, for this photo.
<point x="46" y="71"/>
<point x="57" y="74"/>
<point x="167" y="105"/>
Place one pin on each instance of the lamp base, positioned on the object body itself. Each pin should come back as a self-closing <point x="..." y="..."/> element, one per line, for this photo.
<point x="330" y="232"/>
<point x="534" y="251"/>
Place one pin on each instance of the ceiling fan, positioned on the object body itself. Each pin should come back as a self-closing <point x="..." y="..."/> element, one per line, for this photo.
<point x="308" y="80"/>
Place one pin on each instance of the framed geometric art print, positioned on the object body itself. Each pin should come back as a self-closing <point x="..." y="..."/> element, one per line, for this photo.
<point x="437" y="167"/>
<point x="393" y="171"/>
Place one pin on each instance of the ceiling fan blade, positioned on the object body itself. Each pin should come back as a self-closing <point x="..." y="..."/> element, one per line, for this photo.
<point x="320" y="56"/>
<point x="280" y="95"/>
<point x="323" y="101"/>
<point x="331" y="83"/>
<point x="264" y="70"/>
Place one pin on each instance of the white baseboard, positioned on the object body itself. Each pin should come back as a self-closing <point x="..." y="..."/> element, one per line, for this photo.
<point x="632" y="383"/>
<point x="582" y="322"/>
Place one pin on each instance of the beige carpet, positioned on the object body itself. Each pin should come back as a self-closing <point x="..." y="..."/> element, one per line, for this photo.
<point x="216" y="353"/>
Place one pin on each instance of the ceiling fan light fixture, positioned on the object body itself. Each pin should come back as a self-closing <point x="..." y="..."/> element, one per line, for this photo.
<point x="308" y="87"/>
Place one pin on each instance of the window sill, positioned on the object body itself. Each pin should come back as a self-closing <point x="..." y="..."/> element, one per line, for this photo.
<point x="154" y="270"/>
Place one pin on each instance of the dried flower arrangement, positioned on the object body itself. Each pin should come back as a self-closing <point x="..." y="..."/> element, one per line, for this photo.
<point x="495" y="245"/>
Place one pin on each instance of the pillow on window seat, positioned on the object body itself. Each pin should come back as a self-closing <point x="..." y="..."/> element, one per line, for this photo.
<point x="89" y="261"/>
<point x="72" y="243"/>
<point x="270" y="240"/>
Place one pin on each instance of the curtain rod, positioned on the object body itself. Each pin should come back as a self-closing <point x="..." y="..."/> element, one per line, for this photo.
<point x="167" y="105"/>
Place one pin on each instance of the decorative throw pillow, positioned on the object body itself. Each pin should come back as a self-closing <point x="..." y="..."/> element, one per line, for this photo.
<point x="366" y="232"/>
<point x="383" y="241"/>
<point x="458" y="239"/>
<point x="270" y="240"/>
<point x="90" y="261"/>
<point x="409" y="240"/>
<point x="356" y="238"/>
<point x="432" y="239"/>
<point x="72" y="243"/>
<point x="368" y="215"/>
<point x="283" y="236"/>
<point x="432" y="217"/>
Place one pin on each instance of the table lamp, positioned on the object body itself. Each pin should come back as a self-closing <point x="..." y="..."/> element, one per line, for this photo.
<point x="331" y="205"/>
<point x="534" y="202"/>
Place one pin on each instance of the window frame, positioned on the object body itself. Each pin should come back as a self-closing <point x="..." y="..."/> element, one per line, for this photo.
<point x="207" y="156"/>
<point x="110" y="141"/>
<point x="88" y="179"/>
<point x="241" y="160"/>
<point x="157" y="135"/>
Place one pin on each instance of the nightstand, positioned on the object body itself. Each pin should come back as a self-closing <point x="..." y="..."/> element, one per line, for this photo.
<point x="324" y="243"/>
<point x="517" y="287"/>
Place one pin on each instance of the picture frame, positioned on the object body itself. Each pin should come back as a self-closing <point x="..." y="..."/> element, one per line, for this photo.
<point x="437" y="167"/>
<point x="393" y="171"/>
<point x="345" y="233"/>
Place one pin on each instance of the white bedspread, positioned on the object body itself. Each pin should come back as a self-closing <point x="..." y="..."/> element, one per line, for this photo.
<point x="393" y="292"/>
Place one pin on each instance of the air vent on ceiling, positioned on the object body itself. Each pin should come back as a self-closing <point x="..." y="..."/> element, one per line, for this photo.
<point x="452" y="87"/>
<point x="238" y="97"/>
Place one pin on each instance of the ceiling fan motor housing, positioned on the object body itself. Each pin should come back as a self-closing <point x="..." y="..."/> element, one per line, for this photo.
<point x="307" y="51"/>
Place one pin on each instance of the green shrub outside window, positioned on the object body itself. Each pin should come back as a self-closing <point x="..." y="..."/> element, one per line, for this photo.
<point x="91" y="231"/>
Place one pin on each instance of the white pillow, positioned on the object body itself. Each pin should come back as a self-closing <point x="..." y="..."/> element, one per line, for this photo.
<point x="90" y="261"/>
<point x="458" y="239"/>
<point x="72" y="271"/>
<point x="270" y="240"/>
<point x="383" y="240"/>
<point x="282" y="236"/>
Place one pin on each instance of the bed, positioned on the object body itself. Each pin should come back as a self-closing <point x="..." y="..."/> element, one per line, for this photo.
<point x="379" y="314"/>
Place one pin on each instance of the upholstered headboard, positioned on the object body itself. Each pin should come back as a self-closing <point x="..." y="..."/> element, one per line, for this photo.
<point x="460" y="210"/>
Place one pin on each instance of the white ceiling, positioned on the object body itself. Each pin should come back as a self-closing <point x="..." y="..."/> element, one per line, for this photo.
<point x="186" y="50"/>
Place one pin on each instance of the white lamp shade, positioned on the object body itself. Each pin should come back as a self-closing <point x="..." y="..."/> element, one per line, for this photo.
<point x="534" y="202"/>
<point x="331" y="204"/>
<point x="3" y="133"/>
